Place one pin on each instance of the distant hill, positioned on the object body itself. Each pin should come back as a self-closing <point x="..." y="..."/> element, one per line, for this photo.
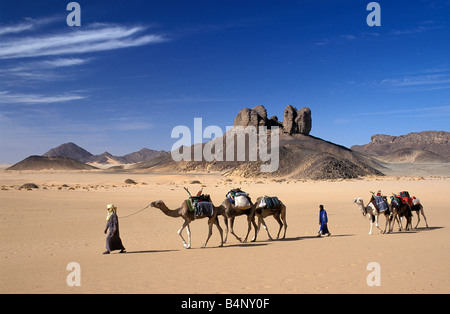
<point x="437" y="142"/>
<point x="408" y="155"/>
<point x="50" y="163"/>
<point x="70" y="150"/>
<point x="73" y="151"/>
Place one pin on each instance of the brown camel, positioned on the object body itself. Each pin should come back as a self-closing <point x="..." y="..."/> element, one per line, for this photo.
<point x="188" y="217"/>
<point x="279" y="214"/>
<point x="403" y="210"/>
<point x="231" y="212"/>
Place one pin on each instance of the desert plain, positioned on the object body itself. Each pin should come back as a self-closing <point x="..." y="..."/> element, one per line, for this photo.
<point x="43" y="230"/>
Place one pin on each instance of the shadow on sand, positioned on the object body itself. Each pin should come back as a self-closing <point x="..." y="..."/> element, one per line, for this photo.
<point x="420" y="229"/>
<point x="149" y="251"/>
<point x="316" y="237"/>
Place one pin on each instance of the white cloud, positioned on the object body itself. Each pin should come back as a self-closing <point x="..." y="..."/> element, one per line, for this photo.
<point x="101" y="37"/>
<point x="419" y="82"/>
<point x="27" y="25"/>
<point x="63" y="62"/>
<point x="7" y="98"/>
<point x="409" y="112"/>
<point x="15" y="28"/>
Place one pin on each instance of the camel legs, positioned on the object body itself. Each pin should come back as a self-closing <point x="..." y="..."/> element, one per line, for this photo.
<point x="225" y="219"/>
<point x="185" y="225"/>
<point x="261" y="221"/>
<point x="423" y="214"/>
<point x="400" y="222"/>
<point x="277" y="218"/>
<point x="376" y="222"/>
<point x="418" y="216"/>
<point x="386" y="227"/>
<point x="215" y="221"/>
<point x="283" y="217"/>
<point x="232" y="229"/>
<point x="409" y="223"/>
<point x="372" y="218"/>
<point x="251" y="220"/>
<point x="210" y="225"/>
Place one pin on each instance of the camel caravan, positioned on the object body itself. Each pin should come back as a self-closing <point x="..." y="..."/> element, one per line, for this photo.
<point x="238" y="203"/>
<point x="400" y="206"/>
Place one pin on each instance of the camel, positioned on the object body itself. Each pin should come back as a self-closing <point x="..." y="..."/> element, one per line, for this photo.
<point x="403" y="210"/>
<point x="372" y="213"/>
<point x="188" y="217"/>
<point x="277" y="213"/>
<point x="231" y="212"/>
<point x="418" y="208"/>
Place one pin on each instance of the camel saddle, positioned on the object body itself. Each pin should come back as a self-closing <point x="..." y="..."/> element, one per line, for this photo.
<point x="201" y="205"/>
<point x="381" y="203"/>
<point x="269" y="202"/>
<point x="239" y="199"/>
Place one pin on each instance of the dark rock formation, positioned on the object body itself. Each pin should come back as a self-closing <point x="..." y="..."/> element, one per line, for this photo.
<point x="251" y="117"/>
<point x="289" y="125"/>
<point x="294" y="121"/>
<point x="304" y="121"/>
<point x="297" y="121"/>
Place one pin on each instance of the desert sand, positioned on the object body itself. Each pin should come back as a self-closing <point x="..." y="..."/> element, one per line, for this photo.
<point x="44" y="230"/>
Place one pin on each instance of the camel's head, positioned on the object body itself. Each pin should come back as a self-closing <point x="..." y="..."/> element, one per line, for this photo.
<point x="358" y="201"/>
<point x="156" y="204"/>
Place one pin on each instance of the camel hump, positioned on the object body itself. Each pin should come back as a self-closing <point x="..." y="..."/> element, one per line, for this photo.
<point x="269" y="202"/>
<point x="381" y="203"/>
<point x="201" y="205"/>
<point x="204" y="209"/>
<point x="240" y="199"/>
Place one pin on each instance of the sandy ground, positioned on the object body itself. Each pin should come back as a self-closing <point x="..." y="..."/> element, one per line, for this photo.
<point x="44" y="230"/>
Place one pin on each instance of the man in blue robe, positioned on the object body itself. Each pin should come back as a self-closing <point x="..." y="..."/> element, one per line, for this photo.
<point x="323" y="221"/>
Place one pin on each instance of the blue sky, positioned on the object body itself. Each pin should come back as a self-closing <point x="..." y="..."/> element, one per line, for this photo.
<point x="134" y="70"/>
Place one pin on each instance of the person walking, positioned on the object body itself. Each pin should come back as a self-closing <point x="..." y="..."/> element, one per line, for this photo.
<point x="323" y="222"/>
<point x="113" y="241"/>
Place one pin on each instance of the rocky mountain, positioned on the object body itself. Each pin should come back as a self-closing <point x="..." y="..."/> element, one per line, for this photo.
<point x="437" y="142"/>
<point x="50" y="163"/>
<point x="413" y="156"/>
<point x="295" y="121"/>
<point x="73" y="151"/>
<point x="144" y="154"/>
<point x="301" y="156"/>
<point x="70" y="150"/>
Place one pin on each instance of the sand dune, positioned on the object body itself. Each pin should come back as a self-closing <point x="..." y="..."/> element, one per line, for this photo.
<point x="44" y="230"/>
